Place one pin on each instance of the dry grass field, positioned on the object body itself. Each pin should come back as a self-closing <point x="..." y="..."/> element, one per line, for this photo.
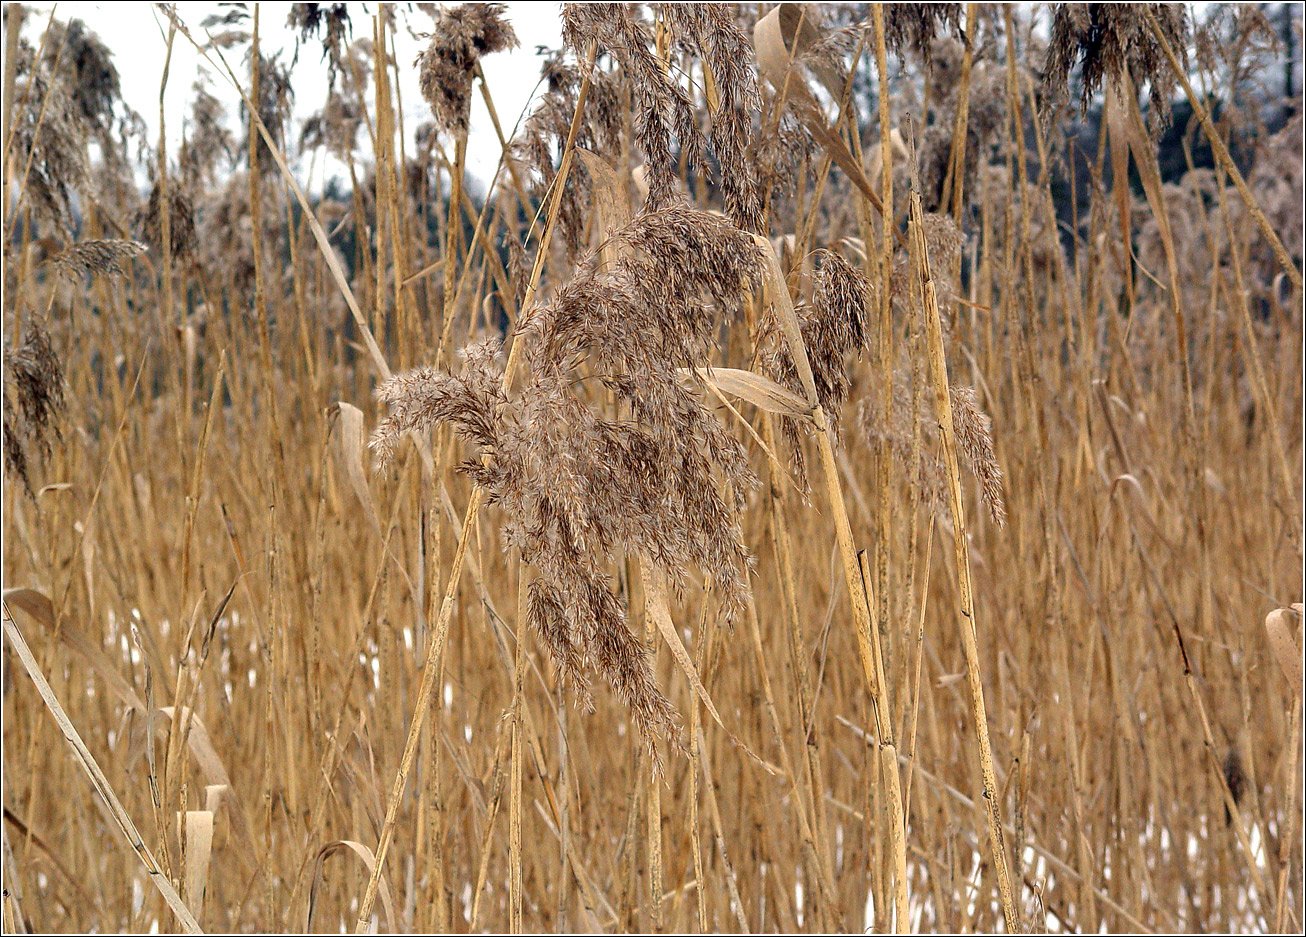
<point x="844" y="473"/>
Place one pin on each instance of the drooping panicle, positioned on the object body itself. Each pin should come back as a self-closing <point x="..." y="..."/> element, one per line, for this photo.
<point x="102" y="257"/>
<point x="974" y="431"/>
<point x="913" y="26"/>
<point x="539" y="145"/>
<point x="462" y="35"/>
<point x="664" y="116"/>
<point x="576" y="487"/>
<point x="181" y="220"/>
<point x="208" y="145"/>
<point x="424" y="397"/>
<point x="1109" y="40"/>
<point x="48" y="137"/>
<point x="924" y="466"/>
<point x="34" y="381"/>
<point x="727" y="57"/>
<point x="680" y="272"/>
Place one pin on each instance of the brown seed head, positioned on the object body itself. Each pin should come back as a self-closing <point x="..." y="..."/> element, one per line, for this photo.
<point x="447" y="66"/>
<point x="103" y="258"/>
<point x="1108" y="40"/>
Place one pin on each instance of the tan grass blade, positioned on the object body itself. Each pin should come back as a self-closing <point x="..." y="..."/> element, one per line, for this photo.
<point x="655" y="598"/>
<point x="98" y="780"/>
<point x="516" y="758"/>
<point x="748" y="427"/>
<point x="41" y="610"/>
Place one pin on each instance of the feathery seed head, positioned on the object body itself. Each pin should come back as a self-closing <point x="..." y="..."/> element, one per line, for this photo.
<point x="447" y="66"/>
<point x="1109" y="40"/>
<point x="34" y="380"/>
<point x="94" y="257"/>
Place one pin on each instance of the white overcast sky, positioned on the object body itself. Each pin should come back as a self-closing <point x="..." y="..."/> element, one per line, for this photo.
<point x="137" y="35"/>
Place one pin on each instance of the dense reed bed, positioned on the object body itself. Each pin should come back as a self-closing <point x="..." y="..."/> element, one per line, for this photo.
<point x="820" y="484"/>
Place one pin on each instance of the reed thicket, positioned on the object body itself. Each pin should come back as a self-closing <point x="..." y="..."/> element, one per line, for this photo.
<point x="805" y="489"/>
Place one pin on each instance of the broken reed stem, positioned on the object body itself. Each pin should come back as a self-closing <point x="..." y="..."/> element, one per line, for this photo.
<point x="895" y="816"/>
<point x="966" y="620"/>
<point x="166" y="817"/>
<point x="487" y="840"/>
<point x="427" y="688"/>
<point x="1222" y="152"/>
<point x="860" y="592"/>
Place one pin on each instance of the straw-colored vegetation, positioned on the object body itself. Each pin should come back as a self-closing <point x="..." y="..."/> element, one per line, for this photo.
<point x="807" y="489"/>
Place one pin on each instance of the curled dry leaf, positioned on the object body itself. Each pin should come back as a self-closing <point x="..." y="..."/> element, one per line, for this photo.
<point x="40" y="609"/>
<point x="369" y="860"/>
<point x="758" y="390"/>
<point x="199" y="850"/>
<point x="776" y="61"/>
<point x="351" y="457"/>
<point x="1278" y="625"/>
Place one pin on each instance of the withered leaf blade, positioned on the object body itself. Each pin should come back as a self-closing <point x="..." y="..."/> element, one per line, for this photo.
<point x="758" y="390"/>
